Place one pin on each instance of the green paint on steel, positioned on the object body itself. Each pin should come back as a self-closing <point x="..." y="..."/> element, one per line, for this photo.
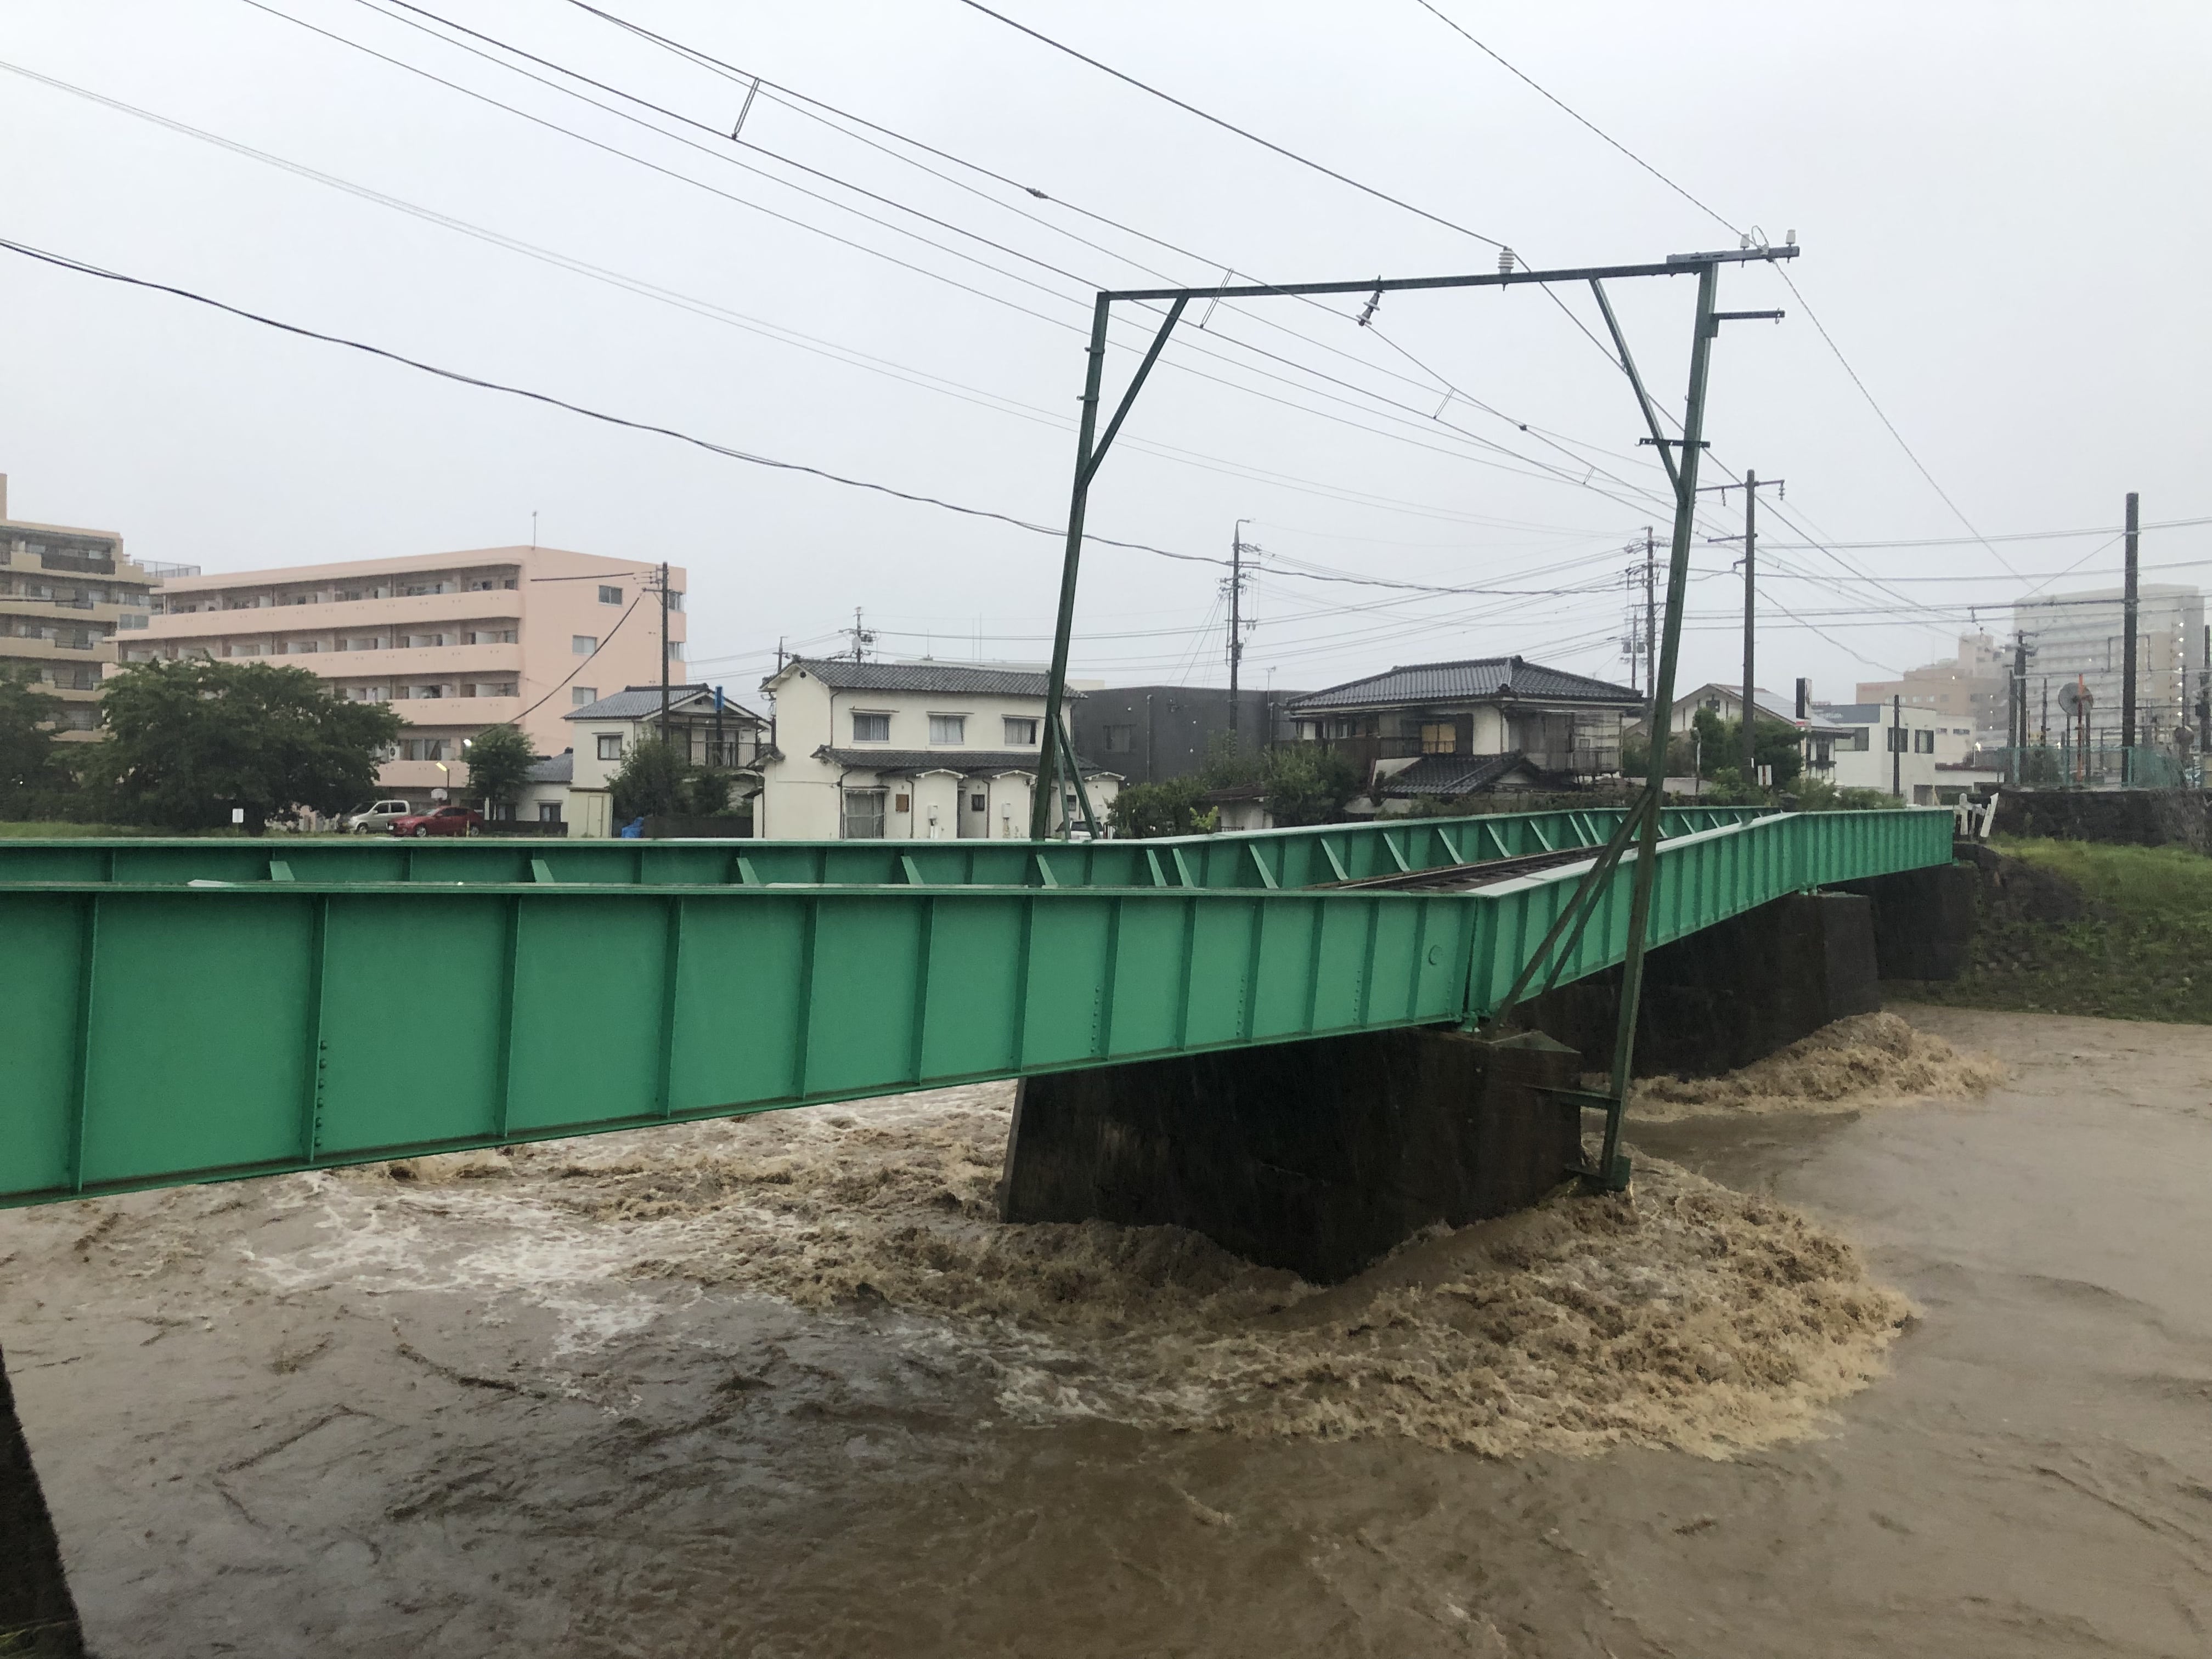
<point x="156" y="1033"/>
<point x="1279" y="858"/>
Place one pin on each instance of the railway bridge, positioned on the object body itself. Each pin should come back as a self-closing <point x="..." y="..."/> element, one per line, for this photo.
<point x="195" y="1010"/>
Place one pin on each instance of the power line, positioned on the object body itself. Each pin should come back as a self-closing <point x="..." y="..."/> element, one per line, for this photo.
<point x="82" y="268"/>
<point x="1264" y="143"/>
<point x="1481" y="46"/>
<point x="1410" y="416"/>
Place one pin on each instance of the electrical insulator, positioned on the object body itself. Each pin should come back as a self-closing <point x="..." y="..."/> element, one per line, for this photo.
<point x="1505" y="261"/>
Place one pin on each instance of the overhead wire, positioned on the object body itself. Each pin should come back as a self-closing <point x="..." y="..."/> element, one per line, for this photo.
<point x="1410" y="416"/>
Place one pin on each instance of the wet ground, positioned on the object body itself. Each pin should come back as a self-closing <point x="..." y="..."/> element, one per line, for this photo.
<point x="328" y="1415"/>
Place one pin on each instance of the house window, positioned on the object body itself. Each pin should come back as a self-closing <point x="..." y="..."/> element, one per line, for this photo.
<point x="1021" y="732"/>
<point x="308" y="647"/>
<point x="1923" y="742"/>
<point x="429" y="691"/>
<point x="610" y="595"/>
<point x="948" y="728"/>
<point x="361" y="645"/>
<point x="583" y="644"/>
<point x="676" y="650"/>
<point x="1439" y="737"/>
<point x="1120" y="739"/>
<point x="549" y="812"/>
<point x="979" y="803"/>
<point x="870" y="728"/>
<point x="610" y="745"/>
<point x="1896" y="736"/>
<point x="580" y="694"/>
<point x="864" y="815"/>
<point x="902" y="803"/>
<point x="1857" y="744"/>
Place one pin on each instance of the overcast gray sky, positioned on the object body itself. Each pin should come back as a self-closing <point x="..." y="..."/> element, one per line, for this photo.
<point x="2001" y="206"/>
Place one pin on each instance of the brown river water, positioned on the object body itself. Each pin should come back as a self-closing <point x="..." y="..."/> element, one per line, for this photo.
<point x="1846" y="1373"/>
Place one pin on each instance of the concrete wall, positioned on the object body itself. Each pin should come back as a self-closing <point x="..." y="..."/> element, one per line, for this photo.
<point x="1169" y="730"/>
<point x="1318" y="1156"/>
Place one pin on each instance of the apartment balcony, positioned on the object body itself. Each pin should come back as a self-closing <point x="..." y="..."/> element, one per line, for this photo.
<point x="23" y="648"/>
<point x="459" y="711"/>
<point x="70" y="610"/>
<point x="425" y="663"/>
<point x="423" y="611"/>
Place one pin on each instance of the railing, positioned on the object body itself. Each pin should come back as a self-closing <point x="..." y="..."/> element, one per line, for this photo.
<point x="89" y="563"/>
<point x="1270" y="858"/>
<point x="164" y="571"/>
<point x="165" y="1032"/>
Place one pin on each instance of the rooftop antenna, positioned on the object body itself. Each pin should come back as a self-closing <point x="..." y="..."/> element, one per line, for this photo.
<point x="534" y="530"/>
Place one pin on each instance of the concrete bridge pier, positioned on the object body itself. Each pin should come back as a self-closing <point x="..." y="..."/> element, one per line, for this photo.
<point x="1317" y="1156"/>
<point x="1320" y="1155"/>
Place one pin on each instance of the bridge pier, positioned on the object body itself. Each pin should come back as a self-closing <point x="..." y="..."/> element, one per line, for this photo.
<point x="1317" y="1156"/>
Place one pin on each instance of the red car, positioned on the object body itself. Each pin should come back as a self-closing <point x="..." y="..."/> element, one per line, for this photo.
<point x="445" y="821"/>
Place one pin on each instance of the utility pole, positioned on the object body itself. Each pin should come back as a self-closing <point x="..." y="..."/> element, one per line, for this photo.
<point x="1238" y="547"/>
<point x="1651" y="632"/>
<point x="2016" y="705"/>
<point x="862" y="639"/>
<point x="663" y="651"/>
<point x="2129" y="610"/>
<point x="1897" y="742"/>
<point x="1750" y="486"/>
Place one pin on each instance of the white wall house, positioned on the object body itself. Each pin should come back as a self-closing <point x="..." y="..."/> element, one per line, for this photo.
<point x="713" y="731"/>
<point x="1873" y="735"/>
<point x="908" y="751"/>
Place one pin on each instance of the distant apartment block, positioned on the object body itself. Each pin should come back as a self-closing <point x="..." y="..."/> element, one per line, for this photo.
<point x="453" y="641"/>
<point x="2083" y="636"/>
<point x="66" y="597"/>
<point x="1971" y="686"/>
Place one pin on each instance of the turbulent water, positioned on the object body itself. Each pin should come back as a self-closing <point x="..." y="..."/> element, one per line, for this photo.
<point x="1682" y="1314"/>
<point x="1933" y="1380"/>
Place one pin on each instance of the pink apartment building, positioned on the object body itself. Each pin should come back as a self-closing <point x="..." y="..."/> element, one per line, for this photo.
<point x="454" y="642"/>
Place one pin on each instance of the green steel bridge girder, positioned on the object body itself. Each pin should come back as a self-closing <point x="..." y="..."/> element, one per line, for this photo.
<point x="1273" y="858"/>
<point x="157" y="1034"/>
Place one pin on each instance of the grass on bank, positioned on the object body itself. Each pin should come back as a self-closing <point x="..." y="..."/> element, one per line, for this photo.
<point x="2138" y="946"/>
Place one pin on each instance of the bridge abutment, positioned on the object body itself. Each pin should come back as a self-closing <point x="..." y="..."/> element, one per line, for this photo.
<point x="1317" y="1156"/>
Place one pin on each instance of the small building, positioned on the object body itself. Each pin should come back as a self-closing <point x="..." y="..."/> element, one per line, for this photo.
<point x="1895" y="748"/>
<point x="1816" y="740"/>
<point x="546" y="800"/>
<point x="1415" y="728"/>
<point x="711" y="730"/>
<point x="909" y="751"/>
<point x="1149" y="733"/>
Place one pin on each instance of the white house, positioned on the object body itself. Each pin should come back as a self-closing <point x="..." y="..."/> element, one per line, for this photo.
<point x="712" y="731"/>
<point x="908" y="751"/>
<point x="1897" y="749"/>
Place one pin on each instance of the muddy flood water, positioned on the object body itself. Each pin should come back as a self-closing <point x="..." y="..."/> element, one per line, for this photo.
<point x="1857" y="1367"/>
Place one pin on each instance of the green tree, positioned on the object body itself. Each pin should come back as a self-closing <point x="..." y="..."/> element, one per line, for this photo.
<point x="651" y="782"/>
<point x="189" y="742"/>
<point x="500" y="759"/>
<point x="1170" y="807"/>
<point x="32" y="772"/>
<point x="707" y="795"/>
<point x="1309" y="784"/>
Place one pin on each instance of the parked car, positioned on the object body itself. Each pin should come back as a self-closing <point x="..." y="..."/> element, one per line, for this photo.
<point x="377" y="815"/>
<point x="445" y="821"/>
